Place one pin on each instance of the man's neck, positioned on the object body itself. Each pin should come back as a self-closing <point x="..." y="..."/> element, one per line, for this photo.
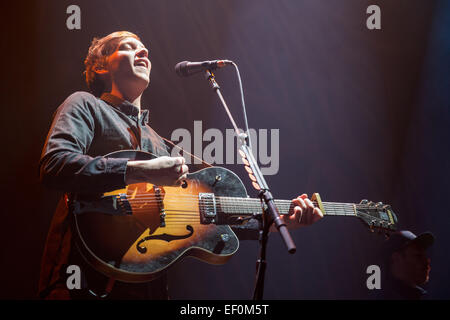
<point x="132" y="98"/>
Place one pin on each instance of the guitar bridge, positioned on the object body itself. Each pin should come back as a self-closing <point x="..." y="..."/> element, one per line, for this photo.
<point x="162" y="212"/>
<point x="122" y="203"/>
<point x="207" y="208"/>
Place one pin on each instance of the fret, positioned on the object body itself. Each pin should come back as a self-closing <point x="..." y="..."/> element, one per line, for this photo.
<point x="237" y="206"/>
<point x="339" y="209"/>
<point x="249" y="206"/>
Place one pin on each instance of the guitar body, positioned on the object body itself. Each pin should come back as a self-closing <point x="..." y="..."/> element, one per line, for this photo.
<point x="133" y="234"/>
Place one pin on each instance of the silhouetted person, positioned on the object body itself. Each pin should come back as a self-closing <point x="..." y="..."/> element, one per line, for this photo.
<point x="407" y="266"/>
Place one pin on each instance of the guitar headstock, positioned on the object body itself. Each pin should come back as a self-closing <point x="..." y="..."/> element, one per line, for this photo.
<point x="377" y="216"/>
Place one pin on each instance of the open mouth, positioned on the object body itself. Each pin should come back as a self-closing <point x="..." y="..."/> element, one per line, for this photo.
<point x="141" y="63"/>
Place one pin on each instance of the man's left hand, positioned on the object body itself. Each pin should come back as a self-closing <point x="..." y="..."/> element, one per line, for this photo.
<point x="303" y="213"/>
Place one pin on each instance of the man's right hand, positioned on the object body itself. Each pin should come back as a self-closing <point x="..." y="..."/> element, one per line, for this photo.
<point x="162" y="171"/>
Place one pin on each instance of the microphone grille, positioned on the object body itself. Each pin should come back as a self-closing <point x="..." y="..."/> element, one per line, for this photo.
<point x="181" y="70"/>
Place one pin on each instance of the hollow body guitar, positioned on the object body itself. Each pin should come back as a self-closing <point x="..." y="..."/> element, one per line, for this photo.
<point x="135" y="233"/>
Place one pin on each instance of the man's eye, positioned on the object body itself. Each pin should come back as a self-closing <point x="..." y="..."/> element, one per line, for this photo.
<point x="125" y="46"/>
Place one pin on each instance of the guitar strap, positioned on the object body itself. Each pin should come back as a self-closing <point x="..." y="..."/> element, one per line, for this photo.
<point x="205" y="164"/>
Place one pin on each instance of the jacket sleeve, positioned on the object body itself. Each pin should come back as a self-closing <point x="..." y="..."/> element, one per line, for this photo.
<point x="248" y="231"/>
<point x="64" y="163"/>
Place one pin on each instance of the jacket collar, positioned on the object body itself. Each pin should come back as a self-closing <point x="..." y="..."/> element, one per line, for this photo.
<point x="125" y="106"/>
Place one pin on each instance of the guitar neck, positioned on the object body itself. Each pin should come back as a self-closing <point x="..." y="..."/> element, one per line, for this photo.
<point x="248" y="206"/>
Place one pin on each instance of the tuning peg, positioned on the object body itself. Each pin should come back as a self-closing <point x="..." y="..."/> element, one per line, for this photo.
<point x="364" y="201"/>
<point x="379" y="204"/>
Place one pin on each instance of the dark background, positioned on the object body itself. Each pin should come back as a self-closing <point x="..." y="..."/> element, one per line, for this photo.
<point x="361" y="113"/>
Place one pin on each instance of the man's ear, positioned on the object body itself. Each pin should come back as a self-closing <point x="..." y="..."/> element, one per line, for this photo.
<point x="100" y="70"/>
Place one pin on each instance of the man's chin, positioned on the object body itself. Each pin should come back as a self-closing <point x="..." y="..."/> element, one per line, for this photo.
<point x="139" y="76"/>
<point x="423" y="280"/>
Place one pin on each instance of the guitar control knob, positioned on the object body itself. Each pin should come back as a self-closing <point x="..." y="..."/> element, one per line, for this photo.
<point x="224" y="237"/>
<point x="184" y="184"/>
<point x="216" y="179"/>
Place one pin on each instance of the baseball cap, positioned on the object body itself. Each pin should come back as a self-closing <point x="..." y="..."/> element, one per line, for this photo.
<point x="401" y="239"/>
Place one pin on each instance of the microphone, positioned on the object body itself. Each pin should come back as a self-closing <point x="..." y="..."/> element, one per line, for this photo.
<point x="187" y="68"/>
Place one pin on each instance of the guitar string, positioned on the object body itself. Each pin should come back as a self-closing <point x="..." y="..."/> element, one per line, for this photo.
<point x="195" y="198"/>
<point x="152" y="196"/>
<point x="197" y="214"/>
<point x="287" y="207"/>
<point x="346" y="209"/>
<point x="331" y="208"/>
<point x="246" y="201"/>
<point x="247" y="207"/>
<point x="341" y="207"/>
<point x="236" y="203"/>
<point x="146" y="205"/>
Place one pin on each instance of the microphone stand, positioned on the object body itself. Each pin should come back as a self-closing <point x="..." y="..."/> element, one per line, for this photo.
<point x="270" y="213"/>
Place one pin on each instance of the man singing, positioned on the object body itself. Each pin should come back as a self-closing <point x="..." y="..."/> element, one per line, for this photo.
<point x="88" y="126"/>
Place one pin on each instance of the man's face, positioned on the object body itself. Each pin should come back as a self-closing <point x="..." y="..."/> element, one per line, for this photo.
<point x="415" y="264"/>
<point x="129" y="63"/>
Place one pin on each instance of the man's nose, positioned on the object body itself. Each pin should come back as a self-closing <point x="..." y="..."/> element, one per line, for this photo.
<point x="142" y="52"/>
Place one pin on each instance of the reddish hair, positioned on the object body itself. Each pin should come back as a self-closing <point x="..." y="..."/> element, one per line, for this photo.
<point x="96" y="58"/>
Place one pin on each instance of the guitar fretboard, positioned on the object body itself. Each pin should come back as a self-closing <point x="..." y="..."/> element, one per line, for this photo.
<point x="249" y="206"/>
